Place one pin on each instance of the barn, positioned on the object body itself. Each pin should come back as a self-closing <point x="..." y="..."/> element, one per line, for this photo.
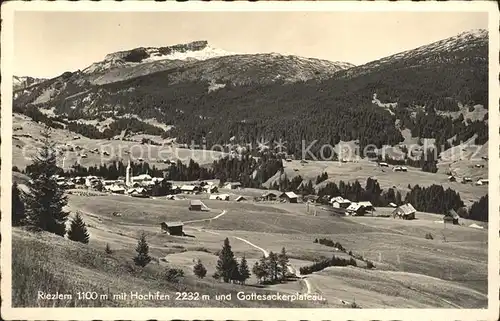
<point x="405" y="211"/>
<point x="356" y="209"/>
<point x="451" y="217"/>
<point x="172" y="228"/>
<point x="195" y="205"/>
<point x="290" y="197"/>
<point x="339" y="202"/>
<point x="269" y="196"/>
<point x="367" y="205"/>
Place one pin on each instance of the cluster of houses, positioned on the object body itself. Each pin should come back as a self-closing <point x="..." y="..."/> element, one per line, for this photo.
<point x="465" y="180"/>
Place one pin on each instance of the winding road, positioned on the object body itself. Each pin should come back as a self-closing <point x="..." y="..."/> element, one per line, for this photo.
<point x="291" y="269"/>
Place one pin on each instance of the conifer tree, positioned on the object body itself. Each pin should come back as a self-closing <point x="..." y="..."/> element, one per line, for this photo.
<point x="283" y="263"/>
<point x="273" y="266"/>
<point x="244" y="271"/>
<point x="46" y="200"/>
<point x="226" y="264"/>
<point x="199" y="269"/>
<point x="108" y="249"/>
<point x="142" y="258"/>
<point x="260" y="269"/>
<point x="78" y="231"/>
<point x="18" y="214"/>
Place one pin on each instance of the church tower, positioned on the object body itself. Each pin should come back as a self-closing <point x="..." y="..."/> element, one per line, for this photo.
<point x="127" y="175"/>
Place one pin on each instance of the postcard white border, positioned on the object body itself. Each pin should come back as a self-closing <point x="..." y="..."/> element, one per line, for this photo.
<point x="492" y="313"/>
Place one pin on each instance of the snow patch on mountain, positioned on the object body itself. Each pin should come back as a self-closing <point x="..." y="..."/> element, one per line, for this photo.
<point x="206" y="53"/>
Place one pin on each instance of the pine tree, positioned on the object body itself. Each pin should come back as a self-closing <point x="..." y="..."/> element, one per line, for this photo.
<point x="142" y="258"/>
<point x="199" y="269"/>
<point x="46" y="200"/>
<point x="108" y="249"/>
<point x="244" y="271"/>
<point x="260" y="269"/>
<point x="273" y="266"/>
<point x="78" y="231"/>
<point x="226" y="264"/>
<point x="283" y="263"/>
<point x="18" y="213"/>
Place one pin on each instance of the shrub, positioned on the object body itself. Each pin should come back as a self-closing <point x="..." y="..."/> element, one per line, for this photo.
<point x="429" y="236"/>
<point x="199" y="269"/>
<point x="370" y="265"/>
<point x="173" y="275"/>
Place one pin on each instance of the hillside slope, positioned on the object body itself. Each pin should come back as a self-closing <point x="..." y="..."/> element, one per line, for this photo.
<point x="248" y="98"/>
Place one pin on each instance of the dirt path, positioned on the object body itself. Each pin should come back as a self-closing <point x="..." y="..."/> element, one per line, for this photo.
<point x="206" y="219"/>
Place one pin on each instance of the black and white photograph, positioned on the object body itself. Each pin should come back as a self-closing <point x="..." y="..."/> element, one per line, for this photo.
<point x="295" y="160"/>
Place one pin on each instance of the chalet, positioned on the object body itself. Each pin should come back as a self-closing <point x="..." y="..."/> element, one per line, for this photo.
<point x="288" y="160"/>
<point x="195" y="205"/>
<point x="452" y="178"/>
<point x="451" y="217"/>
<point x="393" y="205"/>
<point x="356" y="209"/>
<point x="240" y="198"/>
<point x="220" y="197"/>
<point x="232" y="185"/>
<point x="269" y="196"/>
<point x="479" y="165"/>
<point x="117" y="189"/>
<point x="400" y="169"/>
<point x="172" y="228"/>
<point x="339" y="202"/>
<point x="141" y="178"/>
<point x="189" y="189"/>
<point x="138" y="192"/>
<point x="466" y="180"/>
<point x="405" y="211"/>
<point x="210" y="189"/>
<point x="290" y="197"/>
<point x="367" y="205"/>
<point x="383" y="164"/>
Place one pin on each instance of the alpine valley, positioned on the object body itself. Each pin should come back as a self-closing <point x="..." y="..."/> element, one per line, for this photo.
<point x="272" y="210"/>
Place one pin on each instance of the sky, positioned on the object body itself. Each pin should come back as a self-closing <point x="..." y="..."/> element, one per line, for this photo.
<point x="46" y="44"/>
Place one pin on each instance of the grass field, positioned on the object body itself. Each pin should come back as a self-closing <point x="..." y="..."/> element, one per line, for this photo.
<point x="410" y="270"/>
<point x="26" y="139"/>
<point x="449" y="270"/>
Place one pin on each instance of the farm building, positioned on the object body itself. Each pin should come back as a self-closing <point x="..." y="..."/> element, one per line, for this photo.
<point x="117" y="189"/>
<point x="196" y="205"/>
<point x="367" y="205"/>
<point x="356" y="209"/>
<point x="172" y="228"/>
<point x="383" y="164"/>
<point x="220" y="197"/>
<point x="232" y="185"/>
<point x="189" y="189"/>
<point x="339" y="202"/>
<point x="451" y="217"/>
<point x="290" y="197"/>
<point x="210" y="189"/>
<point x="392" y="205"/>
<point x="138" y="192"/>
<point x="269" y="196"/>
<point x="400" y="169"/>
<point x="466" y="180"/>
<point x="405" y="211"/>
<point x="452" y="178"/>
<point x="172" y="197"/>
